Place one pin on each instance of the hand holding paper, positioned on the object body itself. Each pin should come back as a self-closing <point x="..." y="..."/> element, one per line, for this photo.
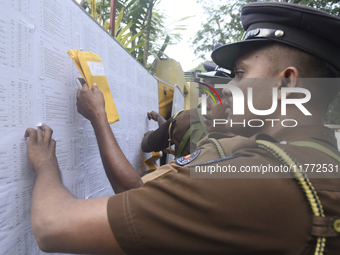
<point x="90" y="103"/>
<point x="91" y="68"/>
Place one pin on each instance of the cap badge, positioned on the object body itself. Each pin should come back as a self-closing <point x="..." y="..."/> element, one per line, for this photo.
<point x="279" y="33"/>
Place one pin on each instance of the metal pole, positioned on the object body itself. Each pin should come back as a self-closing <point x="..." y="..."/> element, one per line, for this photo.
<point x="113" y="16"/>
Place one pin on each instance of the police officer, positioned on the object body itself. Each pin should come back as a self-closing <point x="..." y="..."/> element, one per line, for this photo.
<point x="187" y="127"/>
<point x="287" y="213"/>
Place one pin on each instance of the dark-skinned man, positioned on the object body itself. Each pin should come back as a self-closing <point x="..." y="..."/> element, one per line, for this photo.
<point x="187" y="127"/>
<point x="287" y="213"/>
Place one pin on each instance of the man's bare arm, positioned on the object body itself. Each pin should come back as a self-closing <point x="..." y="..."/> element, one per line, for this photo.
<point x="156" y="117"/>
<point x="60" y="222"/>
<point x="121" y="174"/>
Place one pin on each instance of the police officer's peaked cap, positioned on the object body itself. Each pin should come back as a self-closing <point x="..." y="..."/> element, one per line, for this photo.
<point x="214" y="71"/>
<point x="208" y="66"/>
<point x="306" y="28"/>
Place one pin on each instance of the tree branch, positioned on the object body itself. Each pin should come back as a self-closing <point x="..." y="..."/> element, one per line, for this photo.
<point x="220" y="30"/>
<point x="148" y="31"/>
<point x="160" y="53"/>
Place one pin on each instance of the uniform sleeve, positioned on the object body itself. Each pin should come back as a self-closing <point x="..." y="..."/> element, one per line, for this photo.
<point x="180" y="128"/>
<point x="158" y="139"/>
<point x="183" y="123"/>
<point x="181" y="215"/>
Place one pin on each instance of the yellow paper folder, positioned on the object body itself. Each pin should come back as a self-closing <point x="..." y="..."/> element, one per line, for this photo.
<point x="151" y="163"/>
<point x="91" y="68"/>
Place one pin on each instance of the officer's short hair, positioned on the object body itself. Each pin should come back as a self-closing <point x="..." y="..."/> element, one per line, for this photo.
<point x="309" y="66"/>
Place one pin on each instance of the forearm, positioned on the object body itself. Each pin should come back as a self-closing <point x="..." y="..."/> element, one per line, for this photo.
<point x="119" y="171"/>
<point x="59" y="221"/>
<point x="160" y="120"/>
<point x="62" y="223"/>
<point x="158" y="139"/>
<point x="48" y="202"/>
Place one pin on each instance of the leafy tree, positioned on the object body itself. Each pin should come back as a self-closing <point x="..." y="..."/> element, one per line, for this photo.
<point x="142" y="15"/>
<point x="169" y="34"/>
<point x="157" y="34"/>
<point x="100" y="10"/>
<point x="126" y="37"/>
<point x="139" y="27"/>
<point x="223" y="24"/>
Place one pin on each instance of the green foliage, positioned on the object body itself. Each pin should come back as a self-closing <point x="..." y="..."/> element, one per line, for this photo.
<point x="133" y="29"/>
<point x="332" y="7"/>
<point x="158" y="36"/>
<point x="222" y="22"/>
<point x="119" y="20"/>
<point x="130" y="22"/>
<point x="121" y="32"/>
<point x="139" y="12"/>
<point x="125" y="39"/>
<point x="222" y="25"/>
<point x="133" y="38"/>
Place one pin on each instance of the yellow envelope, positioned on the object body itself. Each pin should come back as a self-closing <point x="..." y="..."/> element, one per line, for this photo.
<point x="151" y="163"/>
<point x="91" y="68"/>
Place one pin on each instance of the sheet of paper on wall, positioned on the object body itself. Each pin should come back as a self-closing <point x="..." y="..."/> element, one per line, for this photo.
<point x="91" y="68"/>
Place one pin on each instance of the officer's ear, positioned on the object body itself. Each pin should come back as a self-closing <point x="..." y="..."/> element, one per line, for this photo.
<point x="288" y="78"/>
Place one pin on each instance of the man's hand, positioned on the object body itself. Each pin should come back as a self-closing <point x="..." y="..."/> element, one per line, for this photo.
<point x="57" y="217"/>
<point x="156" y="117"/>
<point x="153" y="115"/>
<point x="90" y="103"/>
<point x="167" y="150"/>
<point x="41" y="148"/>
<point x="121" y="174"/>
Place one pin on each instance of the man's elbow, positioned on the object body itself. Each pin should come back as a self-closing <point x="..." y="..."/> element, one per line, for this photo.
<point x="144" y="145"/>
<point x="140" y="183"/>
<point x="46" y="233"/>
<point x="123" y="187"/>
<point x="136" y="184"/>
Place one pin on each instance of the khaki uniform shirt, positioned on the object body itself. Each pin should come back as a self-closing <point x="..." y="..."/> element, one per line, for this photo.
<point x="206" y="153"/>
<point x="158" y="139"/>
<point x="176" y="214"/>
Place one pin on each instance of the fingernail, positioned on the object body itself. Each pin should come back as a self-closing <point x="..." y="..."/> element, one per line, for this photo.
<point x="40" y="124"/>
